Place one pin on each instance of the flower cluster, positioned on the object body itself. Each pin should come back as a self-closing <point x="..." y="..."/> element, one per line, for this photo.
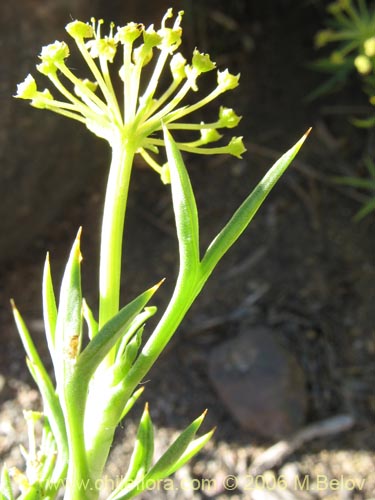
<point x="352" y="29"/>
<point x="144" y="106"/>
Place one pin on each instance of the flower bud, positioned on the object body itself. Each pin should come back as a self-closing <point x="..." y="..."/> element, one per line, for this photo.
<point x="227" y="81"/>
<point x="171" y="38"/>
<point x="210" y="135"/>
<point x="151" y="38"/>
<point x="41" y="99"/>
<point x="323" y="37"/>
<point x="142" y="55"/>
<point x="91" y="86"/>
<point x="79" y="30"/>
<point x="236" y="147"/>
<point x="228" y="118"/>
<point x="27" y="89"/>
<point x="202" y="63"/>
<point x="102" y="47"/>
<point x="178" y="67"/>
<point x="369" y="47"/>
<point x="46" y="68"/>
<point x="128" y="33"/>
<point x="165" y="174"/>
<point x="337" y="58"/>
<point x="363" y="64"/>
<point x="55" y="52"/>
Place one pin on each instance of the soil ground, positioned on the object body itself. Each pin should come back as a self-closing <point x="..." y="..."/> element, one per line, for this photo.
<point x="305" y="266"/>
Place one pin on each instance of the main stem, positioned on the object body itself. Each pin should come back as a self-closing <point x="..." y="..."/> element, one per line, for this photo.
<point x="123" y="151"/>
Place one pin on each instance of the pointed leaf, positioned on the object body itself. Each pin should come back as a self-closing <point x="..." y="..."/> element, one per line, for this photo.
<point x="102" y="343"/>
<point x="49" y="307"/>
<point x="357" y="182"/>
<point x="193" y="448"/>
<point x="136" y="324"/>
<point x="91" y="322"/>
<point x="243" y="216"/>
<point x="5" y="485"/>
<point x="69" y="318"/>
<point x="166" y="465"/>
<point x="131" y="401"/>
<point x="124" y="364"/>
<point x="185" y="209"/>
<point x="53" y="412"/>
<point x="367" y="208"/>
<point x="51" y="402"/>
<point x="143" y="452"/>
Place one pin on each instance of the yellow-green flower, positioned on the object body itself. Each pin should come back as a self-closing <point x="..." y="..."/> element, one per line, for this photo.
<point x="140" y="114"/>
<point x="363" y="64"/>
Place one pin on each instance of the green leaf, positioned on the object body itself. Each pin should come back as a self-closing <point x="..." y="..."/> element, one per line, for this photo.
<point x="34" y="493"/>
<point x="131" y="401"/>
<point x="69" y="318"/>
<point x="102" y="343"/>
<point x="243" y="216"/>
<point x="51" y="402"/>
<point x="370" y="165"/>
<point x="91" y="322"/>
<point x="357" y="182"/>
<point x="49" y="307"/>
<point x="124" y="364"/>
<point x="167" y="464"/>
<point x="6" y="492"/>
<point x="364" y="122"/>
<point x="192" y="449"/>
<point x="135" y="326"/>
<point x="54" y="414"/>
<point x="108" y="401"/>
<point x="143" y="451"/>
<point x="185" y="209"/>
<point x="366" y="209"/>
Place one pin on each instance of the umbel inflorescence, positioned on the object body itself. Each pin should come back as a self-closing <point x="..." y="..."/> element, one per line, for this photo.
<point x="144" y="106"/>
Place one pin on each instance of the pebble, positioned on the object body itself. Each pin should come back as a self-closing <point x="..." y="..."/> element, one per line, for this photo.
<point x="260" y="383"/>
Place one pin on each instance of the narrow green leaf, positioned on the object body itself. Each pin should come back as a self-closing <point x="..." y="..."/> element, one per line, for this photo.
<point x="131" y="401"/>
<point x="366" y="209"/>
<point x="26" y="339"/>
<point x="69" y="318"/>
<point x="166" y="465"/>
<point x="51" y="402"/>
<point x="53" y="412"/>
<point x="243" y="216"/>
<point x="143" y="451"/>
<point x="68" y="339"/>
<point x="91" y="322"/>
<point x="102" y="343"/>
<point x="192" y="449"/>
<point x="135" y="326"/>
<point x="364" y="122"/>
<point x="124" y="364"/>
<point x="357" y="182"/>
<point x="5" y="485"/>
<point x="49" y="307"/>
<point x="33" y="493"/>
<point x="370" y="165"/>
<point x="184" y="206"/>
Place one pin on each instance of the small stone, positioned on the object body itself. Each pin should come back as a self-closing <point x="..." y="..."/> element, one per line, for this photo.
<point x="260" y="383"/>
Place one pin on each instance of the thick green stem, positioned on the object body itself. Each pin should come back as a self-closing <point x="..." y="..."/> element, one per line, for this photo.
<point x="79" y="484"/>
<point x="123" y="151"/>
